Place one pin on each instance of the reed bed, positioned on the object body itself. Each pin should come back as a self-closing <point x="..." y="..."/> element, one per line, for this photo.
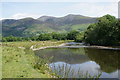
<point x="66" y="71"/>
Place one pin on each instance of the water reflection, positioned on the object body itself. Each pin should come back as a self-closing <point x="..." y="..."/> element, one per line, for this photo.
<point x="87" y="59"/>
<point x="68" y="55"/>
<point x="107" y="59"/>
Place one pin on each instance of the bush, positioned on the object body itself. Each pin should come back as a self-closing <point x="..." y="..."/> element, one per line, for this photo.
<point x="104" y="32"/>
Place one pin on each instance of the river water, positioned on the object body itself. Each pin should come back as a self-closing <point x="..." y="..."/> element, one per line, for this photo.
<point x="78" y="57"/>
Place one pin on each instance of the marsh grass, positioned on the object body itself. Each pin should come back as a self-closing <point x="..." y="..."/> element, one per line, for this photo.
<point x="21" y="63"/>
<point x="40" y="64"/>
<point x="36" y="44"/>
<point x="66" y="71"/>
<point x="15" y="64"/>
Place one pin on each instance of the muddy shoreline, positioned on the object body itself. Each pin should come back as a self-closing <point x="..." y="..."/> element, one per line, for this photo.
<point x="64" y="45"/>
<point x="61" y="45"/>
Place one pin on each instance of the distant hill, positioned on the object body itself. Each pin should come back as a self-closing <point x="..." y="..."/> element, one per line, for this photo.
<point x="45" y="24"/>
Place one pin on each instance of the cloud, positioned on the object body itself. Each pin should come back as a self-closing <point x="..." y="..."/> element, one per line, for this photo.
<point x="94" y="9"/>
<point x="24" y="15"/>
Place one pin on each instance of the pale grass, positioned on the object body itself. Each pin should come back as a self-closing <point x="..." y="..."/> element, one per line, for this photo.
<point x="17" y="64"/>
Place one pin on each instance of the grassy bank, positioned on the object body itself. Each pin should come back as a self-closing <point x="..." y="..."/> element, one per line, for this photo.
<point x="18" y="61"/>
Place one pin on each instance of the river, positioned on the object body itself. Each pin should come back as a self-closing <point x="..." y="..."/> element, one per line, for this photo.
<point x="79" y="57"/>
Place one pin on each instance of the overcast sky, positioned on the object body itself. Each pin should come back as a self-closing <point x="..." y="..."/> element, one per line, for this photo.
<point x="18" y="10"/>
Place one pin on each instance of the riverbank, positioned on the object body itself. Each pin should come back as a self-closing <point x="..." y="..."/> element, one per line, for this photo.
<point x="61" y="45"/>
<point x="104" y="47"/>
<point x="78" y="46"/>
<point x="18" y="60"/>
<point x="17" y="64"/>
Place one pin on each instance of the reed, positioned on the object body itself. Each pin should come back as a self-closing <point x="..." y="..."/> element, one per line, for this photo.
<point x="66" y="71"/>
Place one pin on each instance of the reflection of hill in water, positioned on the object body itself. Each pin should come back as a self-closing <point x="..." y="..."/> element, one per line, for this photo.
<point x="68" y="55"/>
<point x="107" y="59"/>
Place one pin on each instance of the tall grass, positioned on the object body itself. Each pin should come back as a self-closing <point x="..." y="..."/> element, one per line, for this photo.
<point x="66" y="71"/>
<point x="15" y="64"/>
<point x="19" y="60"/>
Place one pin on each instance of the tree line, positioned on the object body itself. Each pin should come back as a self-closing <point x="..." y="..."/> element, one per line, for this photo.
<point x="72" y="35"/>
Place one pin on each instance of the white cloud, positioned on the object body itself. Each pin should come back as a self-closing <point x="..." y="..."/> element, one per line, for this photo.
<point x="94" y="9"/>
<point x="24" y="15"/>
<point x="83" y="8"/>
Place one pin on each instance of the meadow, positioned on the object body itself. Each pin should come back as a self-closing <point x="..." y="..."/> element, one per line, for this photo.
<point x="18" y="60"/>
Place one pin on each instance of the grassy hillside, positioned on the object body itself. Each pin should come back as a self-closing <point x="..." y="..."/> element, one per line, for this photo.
<point x="79" y="27"/>
<point x="46" y="24"/>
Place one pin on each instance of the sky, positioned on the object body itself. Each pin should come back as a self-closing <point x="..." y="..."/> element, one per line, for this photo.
<point x="21" y="9"/>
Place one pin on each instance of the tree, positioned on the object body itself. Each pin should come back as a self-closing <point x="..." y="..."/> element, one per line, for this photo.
<point x="43" y="37"/>
<point x="27" y="38"/>
<point x="103" y="32"/>
<point x="4" y="39"/>
<point x="72" y="34"/>
<point x="79" y="37"/>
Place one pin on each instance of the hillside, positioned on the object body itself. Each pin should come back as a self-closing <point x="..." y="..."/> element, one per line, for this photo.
<point x="45" y="24"/>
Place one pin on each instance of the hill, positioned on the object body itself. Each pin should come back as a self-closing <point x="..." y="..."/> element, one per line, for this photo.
<point x="45" y="24"/>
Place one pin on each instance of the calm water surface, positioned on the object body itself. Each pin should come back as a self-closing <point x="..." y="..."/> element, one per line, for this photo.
<point x="86" y="59"/>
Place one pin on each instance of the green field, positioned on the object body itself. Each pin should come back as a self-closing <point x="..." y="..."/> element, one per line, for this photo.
<point x="18" y="60"/>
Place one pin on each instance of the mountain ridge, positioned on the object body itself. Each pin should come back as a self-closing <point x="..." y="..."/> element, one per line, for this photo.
<point x="45" y="24"/>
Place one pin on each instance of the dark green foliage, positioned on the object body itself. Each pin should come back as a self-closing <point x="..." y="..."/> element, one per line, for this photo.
<point x="27" y="38"/>
<point x="11" y="39"/>
<point x="75" y="35"/>
<point x="35" y="38"/>
<point x="44" y="37"/>
<point x="104" y="32"/>
<point x="79" y="37"/>
<point x="72" y="35"/>
<point x="118" y="24"/>
<point x="57" y="36"/>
